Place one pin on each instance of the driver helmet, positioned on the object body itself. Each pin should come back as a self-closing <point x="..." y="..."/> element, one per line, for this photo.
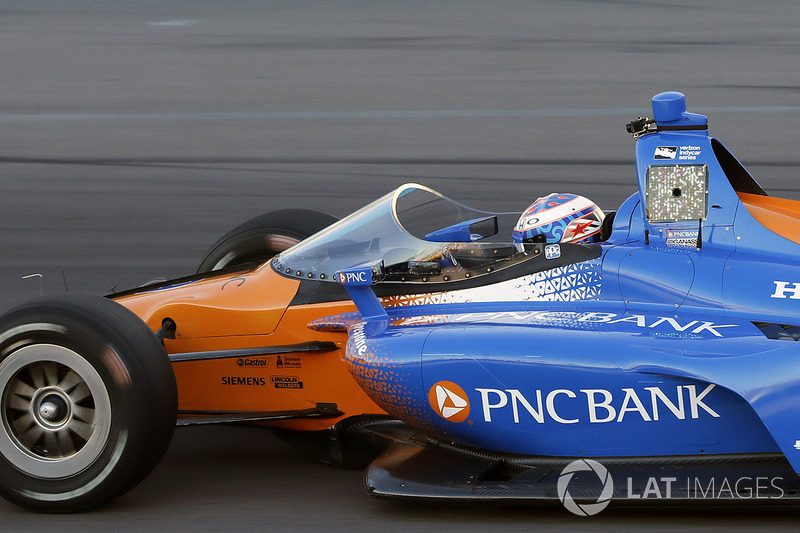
<point x="560" y="218"/>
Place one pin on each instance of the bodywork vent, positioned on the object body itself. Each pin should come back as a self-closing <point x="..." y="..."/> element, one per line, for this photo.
<point x="779" y="332"/>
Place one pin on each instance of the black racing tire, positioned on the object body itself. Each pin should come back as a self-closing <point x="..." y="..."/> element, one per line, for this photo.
<point x="262" y="237"/>
<point x="88" y="403"/>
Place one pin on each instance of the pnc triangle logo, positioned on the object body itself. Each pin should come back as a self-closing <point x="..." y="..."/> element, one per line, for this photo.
<point x="449" y="401"/>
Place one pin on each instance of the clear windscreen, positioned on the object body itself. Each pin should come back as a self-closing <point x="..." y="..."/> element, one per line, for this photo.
<point x="392" y="229"/>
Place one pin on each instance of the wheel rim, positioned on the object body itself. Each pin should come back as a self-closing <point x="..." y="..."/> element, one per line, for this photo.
<point x="259" y="248"/>
<point x="55" y="409"/>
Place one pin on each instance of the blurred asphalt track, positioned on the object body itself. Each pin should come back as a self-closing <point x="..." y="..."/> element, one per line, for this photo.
<point x="134" y="133"/>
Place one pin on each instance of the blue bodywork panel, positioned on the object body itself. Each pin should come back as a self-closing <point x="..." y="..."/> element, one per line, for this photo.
<point x="575" y="380"/>
<point x="680" y="341"/>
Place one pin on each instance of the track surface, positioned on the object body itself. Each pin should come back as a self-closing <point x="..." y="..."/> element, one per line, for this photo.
<point x="134" y="134"/>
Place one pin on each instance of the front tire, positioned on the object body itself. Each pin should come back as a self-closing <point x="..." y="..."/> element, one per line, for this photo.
<point x="262" y="237"/>
<point x="88" y="403"/>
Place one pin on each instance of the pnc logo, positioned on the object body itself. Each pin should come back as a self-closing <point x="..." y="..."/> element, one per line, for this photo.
<point x="449" y="401"/>
<point x="358" y="277"/>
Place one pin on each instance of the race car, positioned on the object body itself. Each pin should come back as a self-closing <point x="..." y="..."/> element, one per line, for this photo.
<point x="483" y="349"/>
<point x="652" y="363"/>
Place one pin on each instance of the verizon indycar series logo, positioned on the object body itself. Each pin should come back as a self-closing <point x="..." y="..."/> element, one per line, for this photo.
<point x="682" y="153"/>
<point x="665" y="152"/>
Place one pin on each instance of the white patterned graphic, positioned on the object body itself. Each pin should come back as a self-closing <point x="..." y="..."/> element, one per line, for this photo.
<point x="580" y="281"/>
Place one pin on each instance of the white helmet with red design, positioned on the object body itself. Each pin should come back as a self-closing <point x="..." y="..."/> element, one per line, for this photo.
<point x="560" y="218"/>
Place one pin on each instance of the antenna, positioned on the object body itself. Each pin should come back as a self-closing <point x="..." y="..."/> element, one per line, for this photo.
<point x="41" y="282"/>
<point x="700" y="234"/>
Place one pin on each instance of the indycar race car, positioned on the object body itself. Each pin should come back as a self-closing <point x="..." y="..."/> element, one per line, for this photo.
<point x="656" y="363"/>
<point x="482" y="355"/>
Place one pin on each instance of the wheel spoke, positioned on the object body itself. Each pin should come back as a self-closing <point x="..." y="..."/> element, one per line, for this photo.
<point x="31" y="436"/>
<point x="50" y="446"/>
<point x="18" y="402"/>
<point x="65" y="445"/>
<point x="22" y="389"/>
<point x="81" y="392"/>
<point x="50" y="372"/>
<point x="82" y="429"/>
<point x="84" y="414"/>
<point x="70" y="381"/>
<point x="23" y="423"/>
<point x="37" y="375"/>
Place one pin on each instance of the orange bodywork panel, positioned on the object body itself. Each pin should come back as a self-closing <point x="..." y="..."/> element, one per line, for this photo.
<point x="252" y="310"/>
<point x="778" y="215"/>
<point x="247" y="303"/>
